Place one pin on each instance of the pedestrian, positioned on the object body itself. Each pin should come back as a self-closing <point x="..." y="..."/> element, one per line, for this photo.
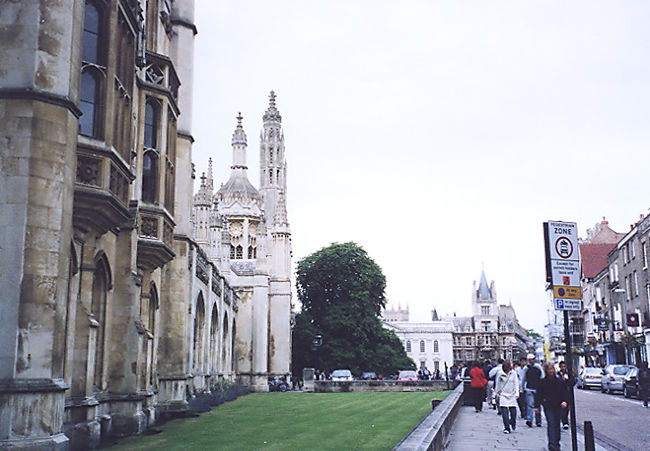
<point x="569" y="380"/>
<point x="644" y="383"/>
<point x="478" y="383"/>
<point x="507" y="392"/>
<point x="532" y="375"/>
<point x="492" y="379"/>
<point x="489" y="388"/>
<point x="553" y="395"/>
<point x="521" y="400"/>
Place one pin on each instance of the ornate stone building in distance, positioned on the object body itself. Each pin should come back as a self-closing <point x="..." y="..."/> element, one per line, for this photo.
<point x="112" y="315"/>
<point x="245" y="233"/>
<point x="491" y="332"/>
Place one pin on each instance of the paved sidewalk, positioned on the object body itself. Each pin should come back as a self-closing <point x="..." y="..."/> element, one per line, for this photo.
<point x="484" y="431"/>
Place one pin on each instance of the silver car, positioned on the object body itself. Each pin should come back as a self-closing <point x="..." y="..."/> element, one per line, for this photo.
<point x="612" y="377"/>
<point x="589" y="377"/>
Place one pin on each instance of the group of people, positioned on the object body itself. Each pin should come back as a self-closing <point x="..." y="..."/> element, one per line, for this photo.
<point x="424" y="374"/>
<point x="528" y="386"/>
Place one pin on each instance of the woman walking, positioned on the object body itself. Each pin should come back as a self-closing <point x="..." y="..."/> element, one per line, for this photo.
<point x="507" y="392"/>
<point x="478" y="384"/>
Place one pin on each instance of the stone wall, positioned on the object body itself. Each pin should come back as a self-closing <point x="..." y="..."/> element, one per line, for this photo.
<point x="381" y="386"/>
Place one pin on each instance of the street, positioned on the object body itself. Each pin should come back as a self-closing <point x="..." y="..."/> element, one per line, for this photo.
<point x="619" y="423"/>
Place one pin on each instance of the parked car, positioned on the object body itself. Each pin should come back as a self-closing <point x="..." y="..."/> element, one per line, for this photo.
<point x="369" y="376"/>
<point x="612" y="377"/>
<point x="589" y="377"/>
<point x="631" y="383"/>
<point x="341" y="375"/>
<point x="407" y="375"/>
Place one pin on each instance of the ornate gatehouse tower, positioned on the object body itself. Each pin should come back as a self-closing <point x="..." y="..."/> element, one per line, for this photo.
<point x="245" y="232"/>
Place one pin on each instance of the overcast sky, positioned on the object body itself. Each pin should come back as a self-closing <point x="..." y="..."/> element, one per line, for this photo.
<point x="438" y="135"/>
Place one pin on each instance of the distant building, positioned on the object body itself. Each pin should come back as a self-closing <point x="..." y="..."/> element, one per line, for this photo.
<point x="428" y="344"/>
<point x="492" y="331"/>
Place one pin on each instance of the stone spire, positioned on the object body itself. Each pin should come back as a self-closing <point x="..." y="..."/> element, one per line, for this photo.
<point x="210" y="180"/>
<point x="280" y="217"/>
<point x="238" y="187"/>
<point x="272" y="114"/>
<point x="239" y="145"/>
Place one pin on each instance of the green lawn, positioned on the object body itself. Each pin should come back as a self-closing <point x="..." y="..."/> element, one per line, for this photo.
<point x="295" y="421"/>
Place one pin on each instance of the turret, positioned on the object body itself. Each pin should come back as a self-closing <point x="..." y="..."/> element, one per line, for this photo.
<point x="273" y="166"/>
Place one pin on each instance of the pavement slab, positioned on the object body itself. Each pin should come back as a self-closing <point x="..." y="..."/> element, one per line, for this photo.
<point x="484" y="431"/>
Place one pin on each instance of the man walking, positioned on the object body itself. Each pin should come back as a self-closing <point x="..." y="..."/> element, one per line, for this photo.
<point x="532" y="375"/>
<point x="521" y="399"/>
<point x="553" y="395"/>
<point x="569" y="380"/>
<point x="644" y="383"/>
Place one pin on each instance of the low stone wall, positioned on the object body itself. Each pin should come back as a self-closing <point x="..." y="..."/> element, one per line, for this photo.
<point x="432" y="432"/>
<point x="381" y="386"/>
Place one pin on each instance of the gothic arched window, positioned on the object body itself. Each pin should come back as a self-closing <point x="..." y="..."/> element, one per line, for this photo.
<point x="89" y="103"/>
<point x="151" y="124"/>
<point x="149" y="176"/>
<point x="239" y="252"/>
<point x="92" y="35"/>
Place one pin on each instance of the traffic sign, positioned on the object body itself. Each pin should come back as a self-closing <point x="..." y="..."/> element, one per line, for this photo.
<point x="568" y="304"/>
<point x="567" y="292"/>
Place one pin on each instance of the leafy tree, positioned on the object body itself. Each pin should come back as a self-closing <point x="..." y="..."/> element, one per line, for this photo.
<point x="532" y="334"/>
<point x="342" y="294"/>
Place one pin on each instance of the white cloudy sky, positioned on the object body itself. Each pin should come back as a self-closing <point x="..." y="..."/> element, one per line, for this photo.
<point x="437" y="134"/>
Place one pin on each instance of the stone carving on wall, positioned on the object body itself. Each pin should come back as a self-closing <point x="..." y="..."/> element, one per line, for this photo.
<point x="89" y="170"/>
<point x="119" y="185"/>
<point x="149" y="226"/>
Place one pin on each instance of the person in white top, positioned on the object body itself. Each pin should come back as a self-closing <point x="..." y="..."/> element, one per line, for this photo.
<point x="507" y="391"/>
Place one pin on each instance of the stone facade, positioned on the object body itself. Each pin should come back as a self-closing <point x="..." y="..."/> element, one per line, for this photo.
<point x="245" y="232"/>
<point x="492" y="331"/>
<point x="428" y="344"/>
<point x="112" y="313"/>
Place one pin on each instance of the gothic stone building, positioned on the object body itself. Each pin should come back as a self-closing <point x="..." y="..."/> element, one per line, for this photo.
<point x="245" y="233"/>
<point x="492" y="331"/>
<point x="112" y="315"/>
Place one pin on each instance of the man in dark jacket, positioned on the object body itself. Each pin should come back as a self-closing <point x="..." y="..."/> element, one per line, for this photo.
<point x="644" y="383"/>
<point x="552" y="393"/>
<point x="569" y="380"/>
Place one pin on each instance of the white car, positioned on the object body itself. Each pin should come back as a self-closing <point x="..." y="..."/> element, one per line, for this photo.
<point x="589" y="377"/>
<point x="341" y="375"/>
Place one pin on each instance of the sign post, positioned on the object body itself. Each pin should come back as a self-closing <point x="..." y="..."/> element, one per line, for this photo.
<point x="564" y="274"/>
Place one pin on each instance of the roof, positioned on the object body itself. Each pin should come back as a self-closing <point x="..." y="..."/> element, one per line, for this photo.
<point x="484" y="288"/>
<point x="594" y="257"/>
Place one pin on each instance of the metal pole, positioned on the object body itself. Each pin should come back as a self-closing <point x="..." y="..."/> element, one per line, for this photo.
<point x="569" y="364"/>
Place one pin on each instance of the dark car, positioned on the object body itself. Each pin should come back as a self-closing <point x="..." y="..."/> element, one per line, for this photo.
<point x="631" y="383"/>
<point x="369" y="376"/>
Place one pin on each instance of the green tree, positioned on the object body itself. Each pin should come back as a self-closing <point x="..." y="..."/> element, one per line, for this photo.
<point x="532" y="334"/>
<point x="341" y="290"/>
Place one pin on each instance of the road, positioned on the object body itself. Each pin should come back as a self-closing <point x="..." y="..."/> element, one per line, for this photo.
<point x="619" y="423"/>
